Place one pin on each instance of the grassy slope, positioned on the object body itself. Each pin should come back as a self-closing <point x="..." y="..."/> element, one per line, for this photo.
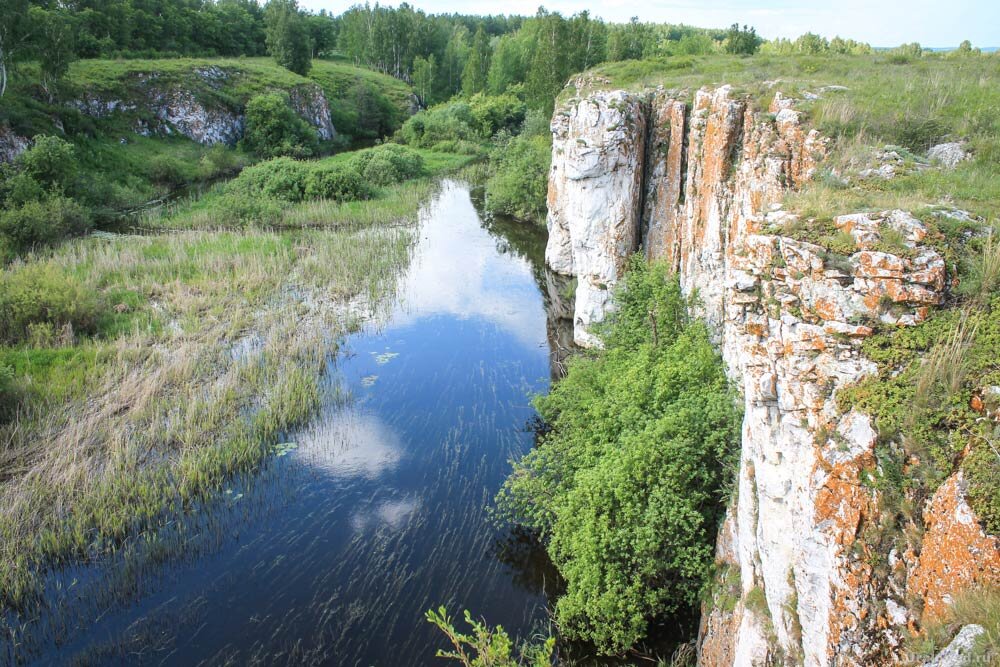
<point x="139" y="169"/>
<point x="912" y="104"/>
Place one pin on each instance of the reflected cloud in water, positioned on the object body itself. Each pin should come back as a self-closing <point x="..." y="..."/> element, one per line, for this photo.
<point x="488" y="285"/>
<point x="350" y="443"/>
<point x="391" y="513"/>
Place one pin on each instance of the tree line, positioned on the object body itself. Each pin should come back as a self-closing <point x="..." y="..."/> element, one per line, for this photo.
<point x="439" y="54"/>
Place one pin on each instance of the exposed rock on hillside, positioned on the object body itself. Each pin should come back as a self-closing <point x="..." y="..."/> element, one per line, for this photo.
<point x="160" y="107"/>
<point x="11" y="145"/>
<point x="701" y="189"/>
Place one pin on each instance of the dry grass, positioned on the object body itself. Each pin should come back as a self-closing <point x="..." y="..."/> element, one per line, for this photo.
<point x="977" y="606"/>
<point x="225" y="354"/>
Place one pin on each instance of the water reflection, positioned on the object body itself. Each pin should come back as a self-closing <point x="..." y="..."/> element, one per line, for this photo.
<point x="347" y="443"/>
<point x="379" y="508"/>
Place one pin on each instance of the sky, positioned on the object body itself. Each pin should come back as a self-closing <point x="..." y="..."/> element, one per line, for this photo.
<point x="933" y="23"/>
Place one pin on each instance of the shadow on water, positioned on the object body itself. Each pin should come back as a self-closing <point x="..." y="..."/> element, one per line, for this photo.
<point x="375" y="511"/>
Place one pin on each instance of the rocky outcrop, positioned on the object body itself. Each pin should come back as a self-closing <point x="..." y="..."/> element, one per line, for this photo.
<point x="161" y="107"/>
<point x="11" y="144"/>
<point x="311" y="104"/>
<point x="961" y="651"/>
<point x="594" y="199"/>
<point x="956" y="553"/>
<point x="789" y="317"/>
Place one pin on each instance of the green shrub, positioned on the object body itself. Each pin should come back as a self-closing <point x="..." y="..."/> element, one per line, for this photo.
<point x="459" y="147"/>
<point x="218" y="161"/>
<point x="281" y="178"/>
<point x="492" y="113"/>
<point x="387" y="164"/>
<point x="629" y="483"/>
<point x="519" y="183"/>
<point x="17" y="188"/>
<point x="489" y="647"/>
<point x="40" y="223"/>
<point x="239" y="210"/>
<point x="51" y="161"/>
<point x="41" y="302"/>
<point x="167" y="170"/>
<point x="452" y="121"/>
<point x="337" y="182"/>
<point x="274" y="129"/>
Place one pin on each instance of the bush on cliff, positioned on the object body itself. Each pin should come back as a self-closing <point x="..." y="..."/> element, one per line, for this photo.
<point x="628" y="484"/>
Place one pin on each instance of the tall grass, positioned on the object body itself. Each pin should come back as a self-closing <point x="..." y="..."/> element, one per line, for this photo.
<point x="220" y="354"/>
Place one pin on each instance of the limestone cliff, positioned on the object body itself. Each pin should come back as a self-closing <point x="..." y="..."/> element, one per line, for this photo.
<point x="699" y="183"/>
<point x="162" y="106"/>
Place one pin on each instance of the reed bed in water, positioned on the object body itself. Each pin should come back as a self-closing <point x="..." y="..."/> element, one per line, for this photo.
<point x="209" y="346"/>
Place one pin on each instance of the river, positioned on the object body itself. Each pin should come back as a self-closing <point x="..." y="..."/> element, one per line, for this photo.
<point x="379" y="509"/>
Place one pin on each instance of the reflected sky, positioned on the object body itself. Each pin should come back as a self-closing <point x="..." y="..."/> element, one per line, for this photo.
<point x="459" y="272"/>
<point x="379" y="509"/>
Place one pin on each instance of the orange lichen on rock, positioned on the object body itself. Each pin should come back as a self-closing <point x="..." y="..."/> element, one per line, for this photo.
<point x="957" y="554"/>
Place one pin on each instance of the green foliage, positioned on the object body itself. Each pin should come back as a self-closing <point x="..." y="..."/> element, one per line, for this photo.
<point x="273" y="128"/>
<point x="50" y="161"/>
<point x="363" y="103"/>
<point x="260" y="192"/>
<point x="287" y="35"/>
<point x="54" y="44"/>
<point x="492" y="113"/>
<point x="337" y="183"/>
<point x="628" y="484"/>
<point x="519" y="182"/>
<point x="743" y="42"/>
<point x="281" y="178"/>
<point x="488" y="647"/>
<point x="42" y="222"/>
<point x="452" y="121"/>
<point x="42" y="304"/>
<point x="477" y="66"/>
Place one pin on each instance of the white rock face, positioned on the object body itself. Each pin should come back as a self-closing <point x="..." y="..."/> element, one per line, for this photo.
<point x="182" y="111"/>
<point x="595" y="193"/>
<point x="960" y="652"/>
<point x="948" y="155"/>
<point x="11" y="144"/>
<point x="786" y="317"/>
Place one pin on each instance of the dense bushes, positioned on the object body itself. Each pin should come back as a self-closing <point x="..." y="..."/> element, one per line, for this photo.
<point x="452" y="121"/>
<point x="519" y="182"/>
<point x="387" y="164"/>
<point x="473" y="121"/>
<point x="261" y="192"/>
<point x="35" y="197"/>
<point x="629" y="483"/>
<point x="42" y="222"/>
<point x="336" y="182"/>
<point x="274" y="129"/>
<point x="285" y="179"/>
<point x="40" y="303"/>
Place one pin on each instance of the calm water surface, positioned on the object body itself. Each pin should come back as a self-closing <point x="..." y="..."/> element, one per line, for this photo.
<point x="334" y="552"/>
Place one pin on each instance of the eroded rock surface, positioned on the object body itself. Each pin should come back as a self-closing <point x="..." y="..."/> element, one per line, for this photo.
<point x="11" y="144"/>
<point x="166" y="108"/>
<point x="595" y="194"/>
<point x="789" y="317"/>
